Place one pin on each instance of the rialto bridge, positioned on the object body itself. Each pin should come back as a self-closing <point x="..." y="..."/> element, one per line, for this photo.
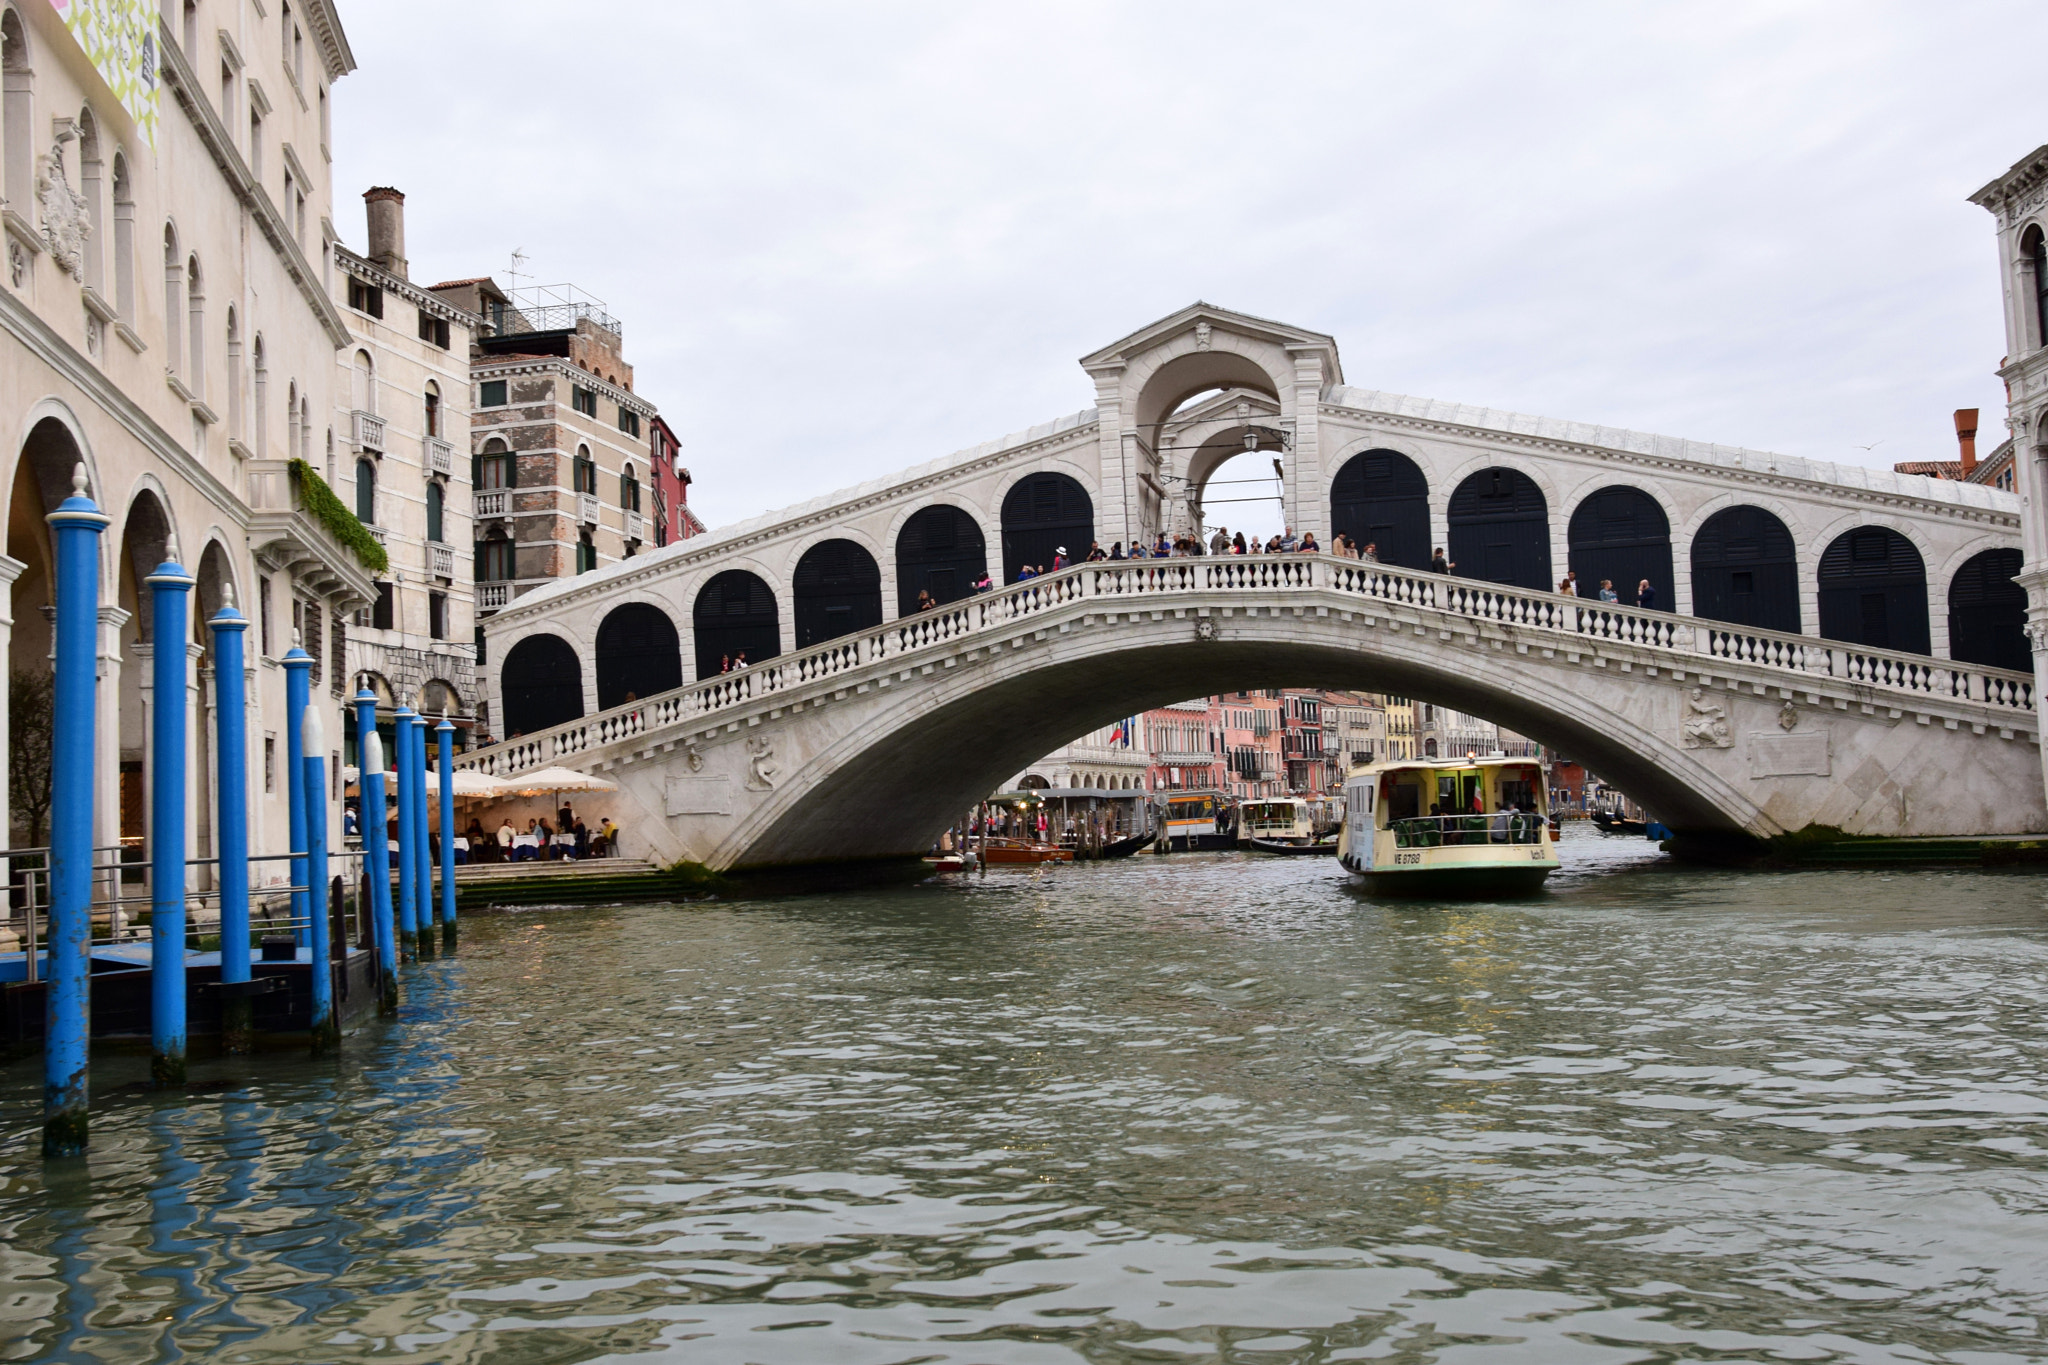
<point x="1841" y="645"/>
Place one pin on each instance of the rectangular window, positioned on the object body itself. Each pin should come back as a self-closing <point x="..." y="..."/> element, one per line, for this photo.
<point x="583" y="400"/>
<point x="366" y="298"/>
<point x="437" y="615"/>
<point x="433" y="329"/>
<point x="386" y="610"/>
<point x="263" y="618"/>
<point x="491" y="394"/>
<point x="629" y="421"/>
<point x="480" y="659"/>
<point x="269" y="765"/>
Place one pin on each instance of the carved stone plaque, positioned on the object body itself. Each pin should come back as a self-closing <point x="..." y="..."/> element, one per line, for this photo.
<point x="1789" y="755"/>
<point x="699" y="796"/>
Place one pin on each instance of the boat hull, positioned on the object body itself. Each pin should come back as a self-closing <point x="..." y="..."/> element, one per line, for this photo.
<point x="1458" y="883"/>
<point x="1289" y="850"/>
<point x="996" y="854"/>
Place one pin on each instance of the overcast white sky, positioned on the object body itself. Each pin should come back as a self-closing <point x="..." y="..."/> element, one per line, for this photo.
<point x="847" y="238"/>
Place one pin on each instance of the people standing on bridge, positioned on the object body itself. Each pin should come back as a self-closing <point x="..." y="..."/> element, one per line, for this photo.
<point x="1116" y="549"/>
<point x="1237" y="544"/>
<point x="1059" y="559"/>
<point x="1569" y="585"/>
<point x="1025" y="571"/>
<point x="1219" y="544"/>
<point x="1096" y="554"/>
<point x="1288" y="544"/>
<point x="739" y="662"/>
<point x="1371" y="553"/>
<point x="1646" y="595"/>
<point x="1308" y="544"/>
<point x="925" y="602"/>
<point x="1607" y="593"/>
<point x="1437" y="562"/>
<point x="1161" y="549"/>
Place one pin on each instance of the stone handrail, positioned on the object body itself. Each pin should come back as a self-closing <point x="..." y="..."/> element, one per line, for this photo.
<point x="1557" y="621"/>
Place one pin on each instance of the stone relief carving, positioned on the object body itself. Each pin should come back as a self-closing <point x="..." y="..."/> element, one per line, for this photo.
<point x="65" y="227"/>
<point x="17" y="264"/>
<point x="760" y="772"/>
<point x="1706" y="722"/>
<point x="1201" y="336"/>
<point x="1788" y="717"/>
<point x="695" y="757"/>
<point x="1205" y="628"/>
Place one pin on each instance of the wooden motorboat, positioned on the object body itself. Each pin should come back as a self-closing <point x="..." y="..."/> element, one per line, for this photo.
<point x="948" y="862"/>
<point x="1024" y="851"/>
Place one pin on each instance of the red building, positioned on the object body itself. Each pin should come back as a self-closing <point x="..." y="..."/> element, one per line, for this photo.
<point x="673" y="519"/>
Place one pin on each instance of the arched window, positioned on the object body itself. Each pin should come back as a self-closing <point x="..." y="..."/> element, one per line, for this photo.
<point x="17" y="118"/>
<point x="837" y="590"/>
<point x="1380" y="498"/>
<point x="497" y="469"/>
<point x="195" y="314"/>
<point x="432" y="415"/>
<point x="434" y="511"/>
<point x="1500" y="530"/>
<point x="2035" y="247"/>
<point x="234" y="376"/>
<point x="174" y="303"/>
<point x="940" y="552"/>
<point x="305" y="428"/>
<point x="1987" y="612"/>
<point x="637" y="655"/>
<point x="124" y="240"/>
<point x="734" y="617"/>
<point x="1622" y="534"/>
<point x="291" y="420"/>
<point x="366" y="492"/>
<point x="585" y="472"/>
<point x="91" y="173"/>
<point x="542" y="683"/>
<point x="586" y="551"/>
<point x="1043" y="514"/>
<point x="259" y="416"/>
<point x="1873" y="591"/>
<point x="363" y="384"/>
<point x="629" y="490"/>
<point x="494" y="558"/>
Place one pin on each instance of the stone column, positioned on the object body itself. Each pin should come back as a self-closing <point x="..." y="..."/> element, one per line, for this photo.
<point x="1117" y="514"/>
<point x="1308" y="502"/>
<point x="10" y="569"/>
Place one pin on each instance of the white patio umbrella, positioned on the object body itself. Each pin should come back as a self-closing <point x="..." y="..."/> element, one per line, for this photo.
<point x="546" y="780"/>
<point x="469" y="783"/>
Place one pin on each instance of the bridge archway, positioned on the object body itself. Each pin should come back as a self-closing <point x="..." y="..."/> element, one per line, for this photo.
<point x="1043" y="512"/>
<point x="637" y="654"/>
<point x="1500" y="529"/>
<point x="1873" y="591"/>
<point x="836" y="590"/>
<point x="734" y="615"/>
<point x="939" y="551"/>
<point x="1381" y="497"/>
<point x="1987" y="612"/>
<point x="1745" y="570"/>
<point x="542" y="683"/>
<point x="1621" y="533"/>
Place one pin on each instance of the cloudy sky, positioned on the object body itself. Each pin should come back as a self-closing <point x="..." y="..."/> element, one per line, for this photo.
<point x="847" y="238"/>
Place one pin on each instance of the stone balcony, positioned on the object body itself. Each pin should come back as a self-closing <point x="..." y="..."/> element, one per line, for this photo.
<point x="286" y="538"/>
<point x="636" y="526"/>
<point x="492" y="596"/>
<point x="440" y="560"/>
<point x="440" y="456"/>
<point x="492" y="502"/>
<point x="587" y="508"/>
<point x="367" y="430"/>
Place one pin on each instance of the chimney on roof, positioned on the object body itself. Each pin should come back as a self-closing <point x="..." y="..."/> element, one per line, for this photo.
<point x="1966" y="437"/>
<point x="385" y="208"/>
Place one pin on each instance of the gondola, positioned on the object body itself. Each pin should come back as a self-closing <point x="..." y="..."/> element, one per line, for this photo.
<point x="1610" y="823"/>
<point x="1292" y="849"/>
<point x="1124" y="848"/>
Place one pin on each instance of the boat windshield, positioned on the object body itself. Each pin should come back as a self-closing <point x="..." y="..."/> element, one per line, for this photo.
<point x="1441" y="831"/>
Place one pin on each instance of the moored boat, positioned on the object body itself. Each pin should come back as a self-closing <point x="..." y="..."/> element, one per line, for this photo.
<point x="1497" y="839"/>
<point x="1024" y="851"/>
<point x="1289" y="848"/>
<point x="1200" y="820"/>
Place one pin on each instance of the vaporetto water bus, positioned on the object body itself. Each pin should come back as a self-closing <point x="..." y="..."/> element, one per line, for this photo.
<point x="1281" y="824"/>
<point x="1200" y="821"/>
<point x="1445" y="828"/>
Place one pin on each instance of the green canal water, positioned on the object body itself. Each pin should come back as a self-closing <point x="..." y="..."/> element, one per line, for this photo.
<point x="1198" y="1108"/>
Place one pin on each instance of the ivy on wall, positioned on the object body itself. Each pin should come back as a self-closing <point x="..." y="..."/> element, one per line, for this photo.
<point x="316" y="497"/>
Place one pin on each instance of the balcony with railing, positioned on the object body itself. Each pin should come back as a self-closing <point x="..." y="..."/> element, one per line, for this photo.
<point x="440" y="560"/>
<point x="636" y="526"/>
<point x="440" y="456"/>
<point x="549" y="308"/>
<point x="587" y="507"/>
<point x="378" y="534"/>
<point x="492" y="596"/>
<point x="368" y="431"/>
<point x="492" y="502"/>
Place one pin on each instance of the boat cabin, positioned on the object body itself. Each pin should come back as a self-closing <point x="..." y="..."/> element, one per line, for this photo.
<point x="1285" y="819"/>
<point x="1445" y="825"/>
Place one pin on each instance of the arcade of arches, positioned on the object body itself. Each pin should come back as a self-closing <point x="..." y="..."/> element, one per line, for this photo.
<point x="1870" y="583"/>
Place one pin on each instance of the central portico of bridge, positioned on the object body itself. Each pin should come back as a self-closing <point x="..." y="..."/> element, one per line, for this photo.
<point x="1854" y="591"/>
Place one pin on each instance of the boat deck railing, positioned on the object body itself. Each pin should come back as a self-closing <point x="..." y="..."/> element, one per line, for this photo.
<point x="1441" y="831"/>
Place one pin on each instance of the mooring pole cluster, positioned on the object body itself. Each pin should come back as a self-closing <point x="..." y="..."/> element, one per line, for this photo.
<point x="237" y="1009"/>
<point x="444" y="757"/>
<point x="377" y="849"/>
<point x="170" y="590"/>
<point x="326" y="1028"/>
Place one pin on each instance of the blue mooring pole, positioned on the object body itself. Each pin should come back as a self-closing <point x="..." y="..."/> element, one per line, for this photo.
<point x="77" y="525"/>
<point x="231" y="726"/>
<point x="170" y="590"/>
<point x="326" y="1028"/>
<point x="444" y="734"/>
<point x="408" y="856"/>
<point x="422" y="846"/>
<point x="298" y="682"/>
<point x="376" y="850"/>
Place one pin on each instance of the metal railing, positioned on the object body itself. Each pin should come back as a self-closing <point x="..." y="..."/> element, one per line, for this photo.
<point x="1446" y="831"/>
<point x="1539" y="619"/>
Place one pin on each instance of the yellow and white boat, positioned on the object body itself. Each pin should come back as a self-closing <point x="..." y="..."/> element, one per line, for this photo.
<point x="1439" y="827"/>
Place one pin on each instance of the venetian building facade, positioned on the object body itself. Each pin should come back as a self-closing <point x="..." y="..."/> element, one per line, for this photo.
<point x="166" y="320"/>
<point x="401" y="458"/>
<point x="2018" y="200"/>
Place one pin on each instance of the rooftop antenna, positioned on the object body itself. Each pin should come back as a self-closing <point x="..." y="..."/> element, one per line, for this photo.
<point x="513" y="271"/>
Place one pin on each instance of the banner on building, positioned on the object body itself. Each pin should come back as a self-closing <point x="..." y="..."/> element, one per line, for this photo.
<point x="119" y="38"/>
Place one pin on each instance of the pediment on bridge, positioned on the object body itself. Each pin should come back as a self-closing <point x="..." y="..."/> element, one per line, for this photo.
<point x="1204" y="321"/>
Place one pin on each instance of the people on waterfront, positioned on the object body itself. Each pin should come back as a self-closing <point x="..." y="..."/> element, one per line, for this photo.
<point x="1437" y="562"/>
<point x="1607" y="593"/>
<point x="582" y="834"/>
<point x="608" y="838"/>
<point x="1646" y="595"/>
<point x="505" y="836"/>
